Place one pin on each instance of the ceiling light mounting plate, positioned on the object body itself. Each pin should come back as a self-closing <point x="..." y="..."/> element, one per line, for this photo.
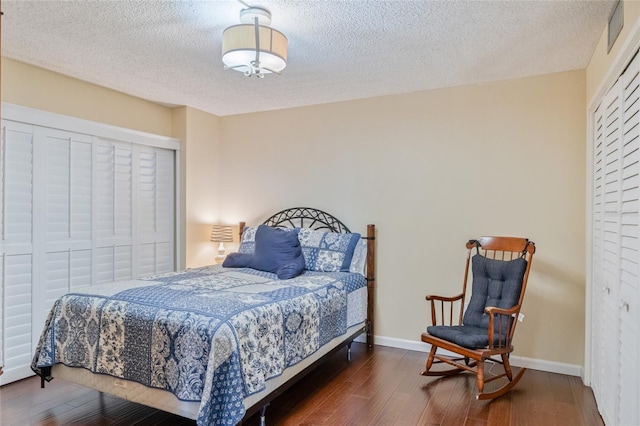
<point x="248" y="15"/>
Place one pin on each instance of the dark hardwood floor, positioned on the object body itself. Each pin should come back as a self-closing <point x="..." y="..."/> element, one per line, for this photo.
<point x="379" y="387"/>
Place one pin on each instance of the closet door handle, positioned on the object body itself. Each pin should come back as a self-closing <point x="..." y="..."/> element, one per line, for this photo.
<point x="606" y="289"/>
<point x="624" y="305"/>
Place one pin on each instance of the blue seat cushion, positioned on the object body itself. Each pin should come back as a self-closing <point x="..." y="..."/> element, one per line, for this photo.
<point x="466" y="336"/>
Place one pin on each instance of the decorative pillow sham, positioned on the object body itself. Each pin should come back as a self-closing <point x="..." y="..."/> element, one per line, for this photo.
<point x="327" y="251"/>
<point x="276" y="251"/>
<point x="248" y="242"/>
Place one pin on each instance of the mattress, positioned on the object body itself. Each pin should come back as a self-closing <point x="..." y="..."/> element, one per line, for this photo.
<point x="166" y="401"/>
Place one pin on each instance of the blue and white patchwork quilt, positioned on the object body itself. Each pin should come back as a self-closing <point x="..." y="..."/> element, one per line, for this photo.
<point x="210" y="334"/>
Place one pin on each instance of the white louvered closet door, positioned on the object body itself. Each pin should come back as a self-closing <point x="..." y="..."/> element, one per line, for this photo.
<point x="65" y="169"/>
<point x="16" y="251"/>
<point x="607" y="290"/>
<point x="629" y="321"/>
<point x="135" y="191"/>
<point x="77" y="210"/>
<point x="114" y="224"/>
<point x="155" y="198"/>
<point x="597" y="305"/>
<point x="616" y="251"/>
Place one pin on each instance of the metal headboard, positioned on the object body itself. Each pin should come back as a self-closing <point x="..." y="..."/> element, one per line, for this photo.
<point x="306" y="217"/>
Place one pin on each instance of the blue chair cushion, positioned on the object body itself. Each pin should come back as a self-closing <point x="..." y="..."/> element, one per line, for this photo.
<point x="466" y="336"/>
<point x="495" y="283"/>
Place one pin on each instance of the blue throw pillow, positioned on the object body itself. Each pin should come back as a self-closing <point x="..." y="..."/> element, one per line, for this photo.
<point x="275" y="250"/>
<point x="291" y="269"/>
<point x="238" y="260"/>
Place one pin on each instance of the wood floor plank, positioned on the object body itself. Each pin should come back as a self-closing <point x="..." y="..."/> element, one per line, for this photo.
<point x="499" y="410"/>
<point x="376" y="400"/>
<point x="416" y="401"/>
<point x="458" y="407"/>
<point x="391" y="411"/>
<point x="585" y="402"/>
<point x="335" y="402"/>
<point x="392" y="393"/>
<point x="520" y="396"/>
<point x="378" y="387"/>
<point x="349" y="411"/>
<point x="440" y="392"/>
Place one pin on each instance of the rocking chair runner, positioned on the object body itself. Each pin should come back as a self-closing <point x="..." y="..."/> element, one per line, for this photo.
<point x="500" y="272"/>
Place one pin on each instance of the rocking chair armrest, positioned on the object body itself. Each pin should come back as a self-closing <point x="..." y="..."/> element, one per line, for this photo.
<point x="490" y="310"/>
<point x="445" y="307"/>
<point x="444" y="298"/>
<point x="495" y="312"/>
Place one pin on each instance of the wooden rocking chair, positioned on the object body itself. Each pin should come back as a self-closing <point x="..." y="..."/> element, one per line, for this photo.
<point x="500" y="271"/>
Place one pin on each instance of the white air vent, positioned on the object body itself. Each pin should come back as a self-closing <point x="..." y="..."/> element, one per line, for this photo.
<point x="616" y="22"/>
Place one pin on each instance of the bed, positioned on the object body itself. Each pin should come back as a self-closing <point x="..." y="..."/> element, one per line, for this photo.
<point x="218" y="343"/>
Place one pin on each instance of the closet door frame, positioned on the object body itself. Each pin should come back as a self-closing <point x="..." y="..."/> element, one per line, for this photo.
<point x="619" y="64"/>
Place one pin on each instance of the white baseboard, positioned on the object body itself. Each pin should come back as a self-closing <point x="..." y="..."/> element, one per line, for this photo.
<point x="517" y="361"/>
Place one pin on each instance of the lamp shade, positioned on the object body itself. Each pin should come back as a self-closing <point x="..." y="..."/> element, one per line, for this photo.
<point x="239" y="48"/>
<point x="221" y="234"/>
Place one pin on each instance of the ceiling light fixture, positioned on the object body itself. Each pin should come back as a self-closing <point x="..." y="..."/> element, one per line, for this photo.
<point x="253" y="47"/>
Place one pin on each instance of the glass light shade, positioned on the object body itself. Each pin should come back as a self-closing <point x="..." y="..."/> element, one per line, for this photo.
<point x="239" y="48"/>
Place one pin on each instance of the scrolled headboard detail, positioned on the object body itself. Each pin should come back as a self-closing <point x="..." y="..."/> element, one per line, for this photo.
<point x="303" y="217"/>
<point x="306" y="217"/>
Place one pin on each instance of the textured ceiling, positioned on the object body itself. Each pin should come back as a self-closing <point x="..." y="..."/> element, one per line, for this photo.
<point x="169" y="51"/>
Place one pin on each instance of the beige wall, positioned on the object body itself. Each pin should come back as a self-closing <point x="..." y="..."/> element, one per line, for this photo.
<point x="431" y="170"/>
<point x="38" y="88"/>
<point x="179" y="125"/>
<point x="202" y="174"/>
